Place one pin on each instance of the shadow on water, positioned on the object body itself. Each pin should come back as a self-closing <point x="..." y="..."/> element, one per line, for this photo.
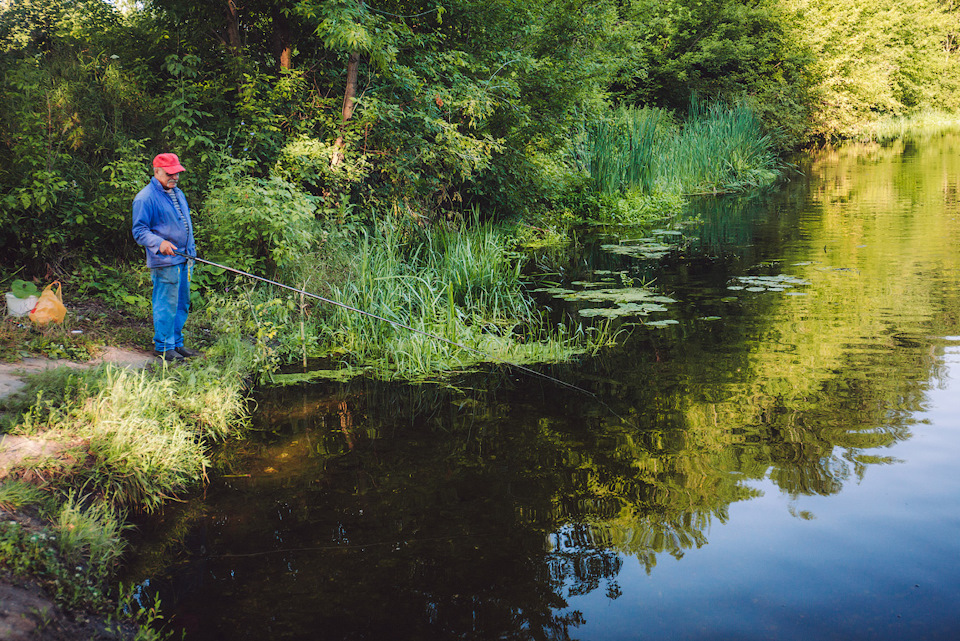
<point x="485" y="507"/>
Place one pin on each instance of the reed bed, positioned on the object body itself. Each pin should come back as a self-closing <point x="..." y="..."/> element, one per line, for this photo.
<point x="719" y="147"/>
<point x="463" y="285"/>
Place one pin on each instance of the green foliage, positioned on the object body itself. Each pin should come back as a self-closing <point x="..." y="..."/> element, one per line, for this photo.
<point x="460" y="285"/>
<point x="720" y="148"/>
<point x="720" y="48"/>
<point x="255" y="223"/>
<point x="649" y="161"/>
<point x="35" y="552"/>
<point x="878" y="58"/>
<point x="182" y="114"/>
<point x="67" y="114"/>
<point x="118" y="286"/>
<point x="24" y="289"/>
<point x="307" y="161"/>
<point x="624" y="149"/>
<point x="468" y="103"/>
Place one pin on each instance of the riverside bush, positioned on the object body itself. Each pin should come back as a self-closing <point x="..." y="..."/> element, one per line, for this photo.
<point x="256" y="223"/>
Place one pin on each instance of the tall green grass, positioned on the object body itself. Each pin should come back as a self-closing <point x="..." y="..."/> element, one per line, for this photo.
<point x="625" y="149"/>
<point x="719" y="147"/>
<point x="145" y="434"/>
<point x="460" y="284"/>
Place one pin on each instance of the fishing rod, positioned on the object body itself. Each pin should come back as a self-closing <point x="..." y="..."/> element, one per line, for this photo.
<point x="436" y="337"/>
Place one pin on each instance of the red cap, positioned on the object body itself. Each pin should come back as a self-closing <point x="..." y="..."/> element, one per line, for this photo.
<point x="169" y="163"/>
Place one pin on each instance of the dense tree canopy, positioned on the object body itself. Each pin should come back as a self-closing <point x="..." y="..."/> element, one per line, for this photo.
<point x="419" y="108"/>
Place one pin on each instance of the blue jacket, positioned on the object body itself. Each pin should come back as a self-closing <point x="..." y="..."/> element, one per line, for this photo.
<point x="155" y="219"/>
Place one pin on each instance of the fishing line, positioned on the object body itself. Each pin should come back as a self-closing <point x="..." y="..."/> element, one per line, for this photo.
<point x="436" y="337"/>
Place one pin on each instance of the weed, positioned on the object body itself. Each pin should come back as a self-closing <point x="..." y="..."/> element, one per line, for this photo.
<point x="33" y="551"/>
<point x="90" y="536"/>
<point x="15" y="495"/>
<point x="650" y="162"/>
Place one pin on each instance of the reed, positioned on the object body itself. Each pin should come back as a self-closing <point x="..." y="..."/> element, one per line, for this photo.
<point x="461" y="284"/>
<point x="624" y="149"/>
<point x="719" y="147"/>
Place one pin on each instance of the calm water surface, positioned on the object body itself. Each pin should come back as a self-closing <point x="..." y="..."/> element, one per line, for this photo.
<point x="779" y="463"/>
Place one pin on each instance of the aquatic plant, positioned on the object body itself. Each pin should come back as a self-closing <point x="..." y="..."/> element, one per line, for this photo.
<point x="650" y="161"/>
<point x="460" y="284"/>
<point x="720" y="148"/>
<point x="625" y="147"/>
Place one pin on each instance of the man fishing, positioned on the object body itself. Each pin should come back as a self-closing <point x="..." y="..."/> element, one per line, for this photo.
<point x="161" y="224"/>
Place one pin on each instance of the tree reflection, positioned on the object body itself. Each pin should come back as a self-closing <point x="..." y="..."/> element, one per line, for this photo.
<point x="477" y="508"/>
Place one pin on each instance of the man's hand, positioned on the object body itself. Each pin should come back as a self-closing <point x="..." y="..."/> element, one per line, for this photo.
<point x="167" y="248"/>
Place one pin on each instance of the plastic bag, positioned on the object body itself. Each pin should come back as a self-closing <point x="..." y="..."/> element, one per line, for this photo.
<point x="50" y="306"/>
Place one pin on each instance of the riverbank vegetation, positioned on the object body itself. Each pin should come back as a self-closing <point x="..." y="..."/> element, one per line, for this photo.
<point x="126" y="442"/>
<point x="396" y="156"/>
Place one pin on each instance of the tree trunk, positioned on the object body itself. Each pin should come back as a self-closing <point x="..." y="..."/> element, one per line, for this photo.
<point x="282" y="49"/>
<point x="346" y="112"/>
<point x="233" y="27"/>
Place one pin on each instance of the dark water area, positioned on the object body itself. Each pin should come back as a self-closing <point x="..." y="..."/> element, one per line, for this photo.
<point x="771" y="452"/>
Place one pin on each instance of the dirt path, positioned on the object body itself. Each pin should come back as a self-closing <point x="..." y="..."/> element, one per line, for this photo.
<point x="12" y="374"/>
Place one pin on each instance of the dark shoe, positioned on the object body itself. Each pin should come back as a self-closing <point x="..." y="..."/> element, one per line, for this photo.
<point x="186" y="353"/>
<point x="171" y="356"/>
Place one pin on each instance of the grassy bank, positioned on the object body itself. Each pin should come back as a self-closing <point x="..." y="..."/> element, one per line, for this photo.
<point x="923" y="123"/>
<point x="124" y="442"/>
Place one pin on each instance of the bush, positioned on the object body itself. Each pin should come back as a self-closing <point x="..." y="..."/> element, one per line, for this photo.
<point x="255" y="224"/>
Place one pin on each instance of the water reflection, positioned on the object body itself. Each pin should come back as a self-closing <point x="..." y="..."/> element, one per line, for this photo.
<point x="501" y="507"/>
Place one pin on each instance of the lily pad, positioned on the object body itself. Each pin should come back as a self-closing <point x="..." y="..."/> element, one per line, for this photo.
<point x="644" y="250"/>
<point x="662" y="323"/>
<point x="776" y="283"/>
<point x="624" y="295"/>
<point x="628" y="309"/>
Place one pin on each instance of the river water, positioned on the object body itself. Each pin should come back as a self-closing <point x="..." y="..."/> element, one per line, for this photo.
<point x="769" y="453"/>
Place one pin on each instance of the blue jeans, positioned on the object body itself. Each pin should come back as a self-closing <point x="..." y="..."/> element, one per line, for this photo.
<point x="171" y="302"/>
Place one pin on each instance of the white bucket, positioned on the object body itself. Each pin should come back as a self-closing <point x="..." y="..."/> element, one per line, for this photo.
<point x="20" y="306"/>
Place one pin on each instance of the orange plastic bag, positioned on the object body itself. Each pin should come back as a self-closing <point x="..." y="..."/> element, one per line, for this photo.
<point x="50" y="306"/>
